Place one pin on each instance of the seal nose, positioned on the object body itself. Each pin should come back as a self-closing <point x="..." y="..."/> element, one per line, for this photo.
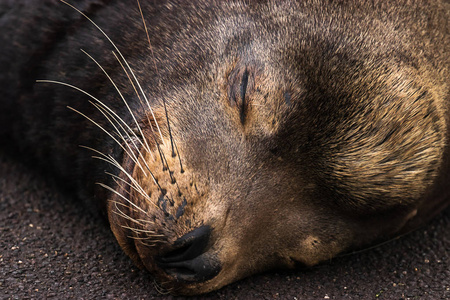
<point x="187" y="261"/>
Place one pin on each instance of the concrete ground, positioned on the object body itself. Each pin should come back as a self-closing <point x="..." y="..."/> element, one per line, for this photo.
<point x="52" y="247"/>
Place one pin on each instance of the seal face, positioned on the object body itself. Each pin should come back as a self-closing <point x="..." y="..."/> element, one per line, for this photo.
<point x="237" y="136"/>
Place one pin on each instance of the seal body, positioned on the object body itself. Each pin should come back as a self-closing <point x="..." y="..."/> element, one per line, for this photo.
<point x="235" y="136"/>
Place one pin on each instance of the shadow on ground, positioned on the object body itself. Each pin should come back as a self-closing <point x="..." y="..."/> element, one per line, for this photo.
<point x="52" y="247"/>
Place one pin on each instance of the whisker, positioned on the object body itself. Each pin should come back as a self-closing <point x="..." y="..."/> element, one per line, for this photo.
<point x="123" y="58"/>
<point x="121" y="196"/>
<point x="154" y="60"/>
<point x="141" y="102"/>
<point x="153" y="177"/>
<point x="137" y="93"/>
<point x="160" y="86"/>
<point x="129" y="78"/>
<point x="89" y="119"/>
<point x="153" y="236"/>
<point x="150" y="245"/>
<point x="111" y="160"/>
<point x="141" y="238"/>
<point x="104" y="112"/>
<point x="140" y="191"/>
<point x="128" y="193"/>
<point x="139" y="230"/>
<point x="120" y="213"/>
<point x="117" y="165"/>
<point x="160" y="289"/>
<point x="145" y="26"/>
<point x="163" y="159"/>
<point x="179" y="158"/>
<point x="125" y="216"/>
<point x="133" y="157"/>
<point x="166" y="167"/>
<point x="143" y="94"/>
<point x="123" y="100"/>
<point x="113" y="115"/>
<point x="124" y="205"/>
<point x="146" y="221"/>
<point x="130" y="154"/>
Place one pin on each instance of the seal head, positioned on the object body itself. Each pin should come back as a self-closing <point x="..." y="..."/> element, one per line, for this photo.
<point x="298" y="136"/>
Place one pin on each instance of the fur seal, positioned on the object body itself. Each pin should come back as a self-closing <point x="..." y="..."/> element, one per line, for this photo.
<point x="234" y="137"/>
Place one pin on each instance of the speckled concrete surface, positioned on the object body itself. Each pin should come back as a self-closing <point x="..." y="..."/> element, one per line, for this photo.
<point x="53" y="247"/>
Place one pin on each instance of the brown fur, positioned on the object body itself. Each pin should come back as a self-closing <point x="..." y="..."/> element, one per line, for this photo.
<point x="293" y="131"/>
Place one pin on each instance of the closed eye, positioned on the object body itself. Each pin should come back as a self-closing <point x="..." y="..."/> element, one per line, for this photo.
<point x="244" y="83"/>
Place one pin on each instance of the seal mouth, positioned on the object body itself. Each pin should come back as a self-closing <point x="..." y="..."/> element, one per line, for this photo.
<point x="152" y="216"/>
<point x="188" y="261"/>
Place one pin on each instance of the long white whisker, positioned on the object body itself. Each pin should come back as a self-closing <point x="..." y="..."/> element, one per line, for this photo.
<point x="134" y="157"/>
<point x="123" y="100"/>
<point x="118" y="166"/>
<point x="135" y="160"/>
<point x="139" y="230"/>
<point x="120" y="213"/>
<point x="144" y="238"/>
<point x="121" y="196"/>
<point x="115" y="163"/>
<point x="89" y="119"/>
<point x="150" y="245"/>
<point x="123" y="181"/>
<point x="138" y="189"/>
<point x="131" y="178"/>
<point x="142" y="104"/>
<point x="160" y="87"/>
<point x="135" y="90"/>
<point x="112" y="161"/>
<point x="123" y="58"/>
<point x="109" y="134"/>
<point x="129" y="78"/>
<point x="143" y="94"/>
<point x="124" y="205"/>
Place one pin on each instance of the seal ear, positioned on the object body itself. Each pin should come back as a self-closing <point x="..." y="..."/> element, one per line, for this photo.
<point x="388" y="153"/>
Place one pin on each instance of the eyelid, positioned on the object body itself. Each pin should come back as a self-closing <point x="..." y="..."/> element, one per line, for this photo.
<point x="244" y="83"/>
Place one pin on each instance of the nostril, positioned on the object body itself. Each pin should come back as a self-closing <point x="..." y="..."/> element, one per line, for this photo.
<point x="188" y="246"/>
<point x="188" y="260"/>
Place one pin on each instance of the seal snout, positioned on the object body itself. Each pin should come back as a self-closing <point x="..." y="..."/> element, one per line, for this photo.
<point x="188" y="260"/>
